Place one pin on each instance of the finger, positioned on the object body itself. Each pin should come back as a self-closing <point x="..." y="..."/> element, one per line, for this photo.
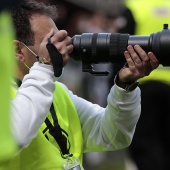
<point x="145" y="59"/>
<point x="66" y="40"/>
<point x="50" y="34"/>
<point x="129" y="60"/>
<point x="69" y="48"/>
<point x="134" y="56"/>
<point x="59" y="36"/>
<point x="136" y="59"/>
<point x="127" y="72"/>
<point x="62" y="46"/>
<point x="142" y="54"/>
<point x="153" y="60"/>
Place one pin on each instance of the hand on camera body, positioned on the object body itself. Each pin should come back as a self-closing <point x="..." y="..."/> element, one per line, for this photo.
<point x="61" y="41"/>
<point x="139" y="64"/>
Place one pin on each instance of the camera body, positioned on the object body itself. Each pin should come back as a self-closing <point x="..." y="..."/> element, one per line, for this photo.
<point x="95" y="48"/>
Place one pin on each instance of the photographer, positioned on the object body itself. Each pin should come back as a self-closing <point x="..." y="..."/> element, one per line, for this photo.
<point x="73" y="125"/>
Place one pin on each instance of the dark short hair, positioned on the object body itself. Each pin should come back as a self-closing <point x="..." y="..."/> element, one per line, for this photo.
<point x="21" y="18"/>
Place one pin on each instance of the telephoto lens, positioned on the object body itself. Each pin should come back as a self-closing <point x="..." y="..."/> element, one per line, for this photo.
<point x="95" y="48"/>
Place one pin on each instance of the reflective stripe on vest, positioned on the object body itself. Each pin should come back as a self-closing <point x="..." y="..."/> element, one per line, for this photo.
<point x="44" y="155"/>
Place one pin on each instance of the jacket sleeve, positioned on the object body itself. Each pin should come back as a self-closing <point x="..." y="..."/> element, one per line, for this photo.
<point x="110" y="128"/>
<point x="32" y="102"/>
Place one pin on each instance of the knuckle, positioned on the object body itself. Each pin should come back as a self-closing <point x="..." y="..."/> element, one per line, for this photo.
<point x="69" y="38"/>
<point x="137" y="61"/>
<point x="63" y="52"/>
<point x="64" y="32"/>
<point x="146" y="60"/>
<point x="130" y="63"/>
<point x="59" y="47"/>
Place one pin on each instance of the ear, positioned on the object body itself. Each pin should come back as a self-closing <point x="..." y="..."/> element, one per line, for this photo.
<point x="19" y="51"/>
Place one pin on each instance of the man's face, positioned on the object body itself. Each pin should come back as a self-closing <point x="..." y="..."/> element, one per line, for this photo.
<point x="40" y="26"/>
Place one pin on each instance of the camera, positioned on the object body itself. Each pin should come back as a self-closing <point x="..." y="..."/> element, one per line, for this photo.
<point x="95" y="48"/>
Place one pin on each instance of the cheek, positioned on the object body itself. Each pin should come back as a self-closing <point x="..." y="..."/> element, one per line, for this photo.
<point x="31" y="60"/>
<point x="36" y="47"/>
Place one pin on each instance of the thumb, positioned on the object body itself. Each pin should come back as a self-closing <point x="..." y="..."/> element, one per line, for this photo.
<point x="50" y="34"/>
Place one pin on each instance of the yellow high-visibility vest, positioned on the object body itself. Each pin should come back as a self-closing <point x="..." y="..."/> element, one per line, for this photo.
<point x="150" y="15"/>
<point x="45" y="154"/>
<point x="7" y="144"/>
<point x="161" y="74"/>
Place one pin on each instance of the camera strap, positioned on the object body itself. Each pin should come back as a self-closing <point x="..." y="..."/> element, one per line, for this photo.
<point x="56" y="58"/>
<point x="60" y="136"/>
